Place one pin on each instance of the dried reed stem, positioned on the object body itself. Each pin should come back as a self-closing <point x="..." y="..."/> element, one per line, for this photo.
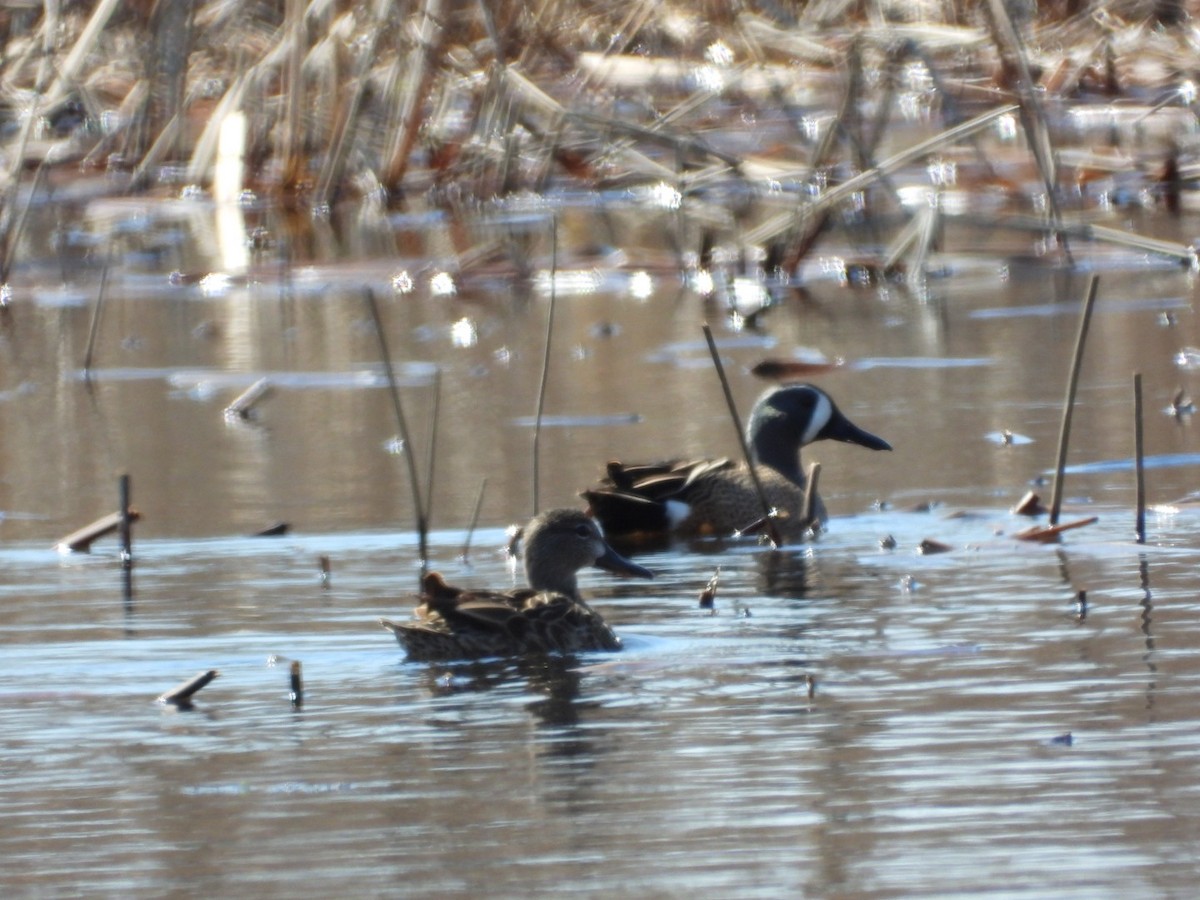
<point x="1139" y="461"/>
<point x="1064" y="433"/>
<point x="94" y="328"/>
<point x="541" y="402"/>
<point x="422" y="522"/>
<point x="769" y="518"/>
<point x="466" y="548"/>
<point x="809" y="514"/>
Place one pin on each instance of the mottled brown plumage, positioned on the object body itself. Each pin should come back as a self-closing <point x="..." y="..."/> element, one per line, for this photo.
<point x="718" y="496"/>
<point x="548" y="616"/>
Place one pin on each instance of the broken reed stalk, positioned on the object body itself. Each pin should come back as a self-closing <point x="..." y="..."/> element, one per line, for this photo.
<point x="431" y="450"/>
<point x="1064" y="432"/>
<point x="12" y="235"/>
<point x="1033" y="117"/>
<point x="243" y="405"/>
<point x="126" y="521"/>
<point x="541" y="402"/>
<point x="466" y="548"/>
<point x="94" y="328"/>
<point x="809" y="513"/>
<point x="781" y="222"/>
<point x="422" y="521"/>
<point x="348" y="126"/>
<point x="1139" y="460"/>
<point x="81" y="541"/>
<point x="181" y="696"/>
<point x="772" y="529"/>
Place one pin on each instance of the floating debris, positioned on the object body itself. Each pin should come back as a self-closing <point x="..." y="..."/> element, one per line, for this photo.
<point x="1049" y="534"/>
<point x="277" y="530"/>
<point x="326" y="570"/>
<point x="887" y="543"/>
<point x="296" y="694"/>
<point x="929" y="547"/>
<point x="708" y="596"/>
<point x="1029" y="505"/>
<point x="1181" y="405"/>
<point x="1007" y="438"/>
<point x="773" y="369"/>
<point x="81" y="541"/>
<point x="181" y="696"/>
<point x="242" y="408"/>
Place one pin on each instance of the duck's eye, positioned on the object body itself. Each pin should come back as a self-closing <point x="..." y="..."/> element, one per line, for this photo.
<point x="583" y="531"/>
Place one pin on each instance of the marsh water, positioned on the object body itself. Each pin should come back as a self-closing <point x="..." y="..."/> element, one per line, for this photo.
<point x="1004" y="718"/>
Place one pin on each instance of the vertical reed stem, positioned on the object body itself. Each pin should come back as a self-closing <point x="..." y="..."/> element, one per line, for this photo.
<point x="1139" y="458"/>
<point x="466" y="549"/>
<point x="422" y="522"/>
<point x="541" y="403"/>
<point x="772" y="530"/>
<point x="95" y="326"/>
<point x="808" y="515"/>
<point x="126" y="531"/>
<point x="1064" y="432"/>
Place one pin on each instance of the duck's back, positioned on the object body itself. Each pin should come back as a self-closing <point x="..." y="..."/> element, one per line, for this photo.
<point x="457" y="624"/>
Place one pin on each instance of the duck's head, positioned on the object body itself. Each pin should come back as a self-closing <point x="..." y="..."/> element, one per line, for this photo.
<point x="787" y="418"/>
<point x="560" y="542"/>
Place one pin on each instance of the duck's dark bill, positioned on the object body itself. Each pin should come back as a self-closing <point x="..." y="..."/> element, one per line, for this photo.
<point x="613" y="561"/>
<point x="842" y="429"/>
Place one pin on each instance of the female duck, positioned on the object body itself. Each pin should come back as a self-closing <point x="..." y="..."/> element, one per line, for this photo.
<point x="718" y="496"/>
<point x="548" y="616"/>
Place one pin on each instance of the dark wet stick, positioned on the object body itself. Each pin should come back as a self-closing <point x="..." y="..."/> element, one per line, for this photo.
<point x="1139" y="459"/>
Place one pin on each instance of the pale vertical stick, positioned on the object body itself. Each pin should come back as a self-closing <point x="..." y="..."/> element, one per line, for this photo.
<point x="1064" y="432"/>
<point x="1139" y="458"/>
<point x="808" y="517"/>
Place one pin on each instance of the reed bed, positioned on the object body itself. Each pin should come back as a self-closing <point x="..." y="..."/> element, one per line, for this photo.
<point x="801" y="108"/>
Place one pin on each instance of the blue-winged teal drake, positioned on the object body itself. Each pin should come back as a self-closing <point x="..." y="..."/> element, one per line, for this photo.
<point x="548" y="616"/>
<point x="717" y="496"/>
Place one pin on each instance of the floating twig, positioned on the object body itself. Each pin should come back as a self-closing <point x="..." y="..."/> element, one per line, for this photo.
<point x="768" y="513"/>
<point x="1049" y="534"/>
<point x="1064" y="433"/>
<point x="242" y="407"/>
<point x="326" y="569"/>
<point x="181" y="696"/>
<point x="81" y="541"/>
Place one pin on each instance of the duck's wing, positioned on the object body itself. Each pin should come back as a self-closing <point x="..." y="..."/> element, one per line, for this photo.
<point x="637" y="498"/>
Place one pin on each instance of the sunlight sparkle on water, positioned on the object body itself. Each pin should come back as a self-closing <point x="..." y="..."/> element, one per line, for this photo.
<point x="665" y="196"/>
<point x="463" y="333"/>
<point x="442" y="285"/>
<point x="641" y="285"/>
<point x="214" y="284"/>
<point x="402" y="283"/>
